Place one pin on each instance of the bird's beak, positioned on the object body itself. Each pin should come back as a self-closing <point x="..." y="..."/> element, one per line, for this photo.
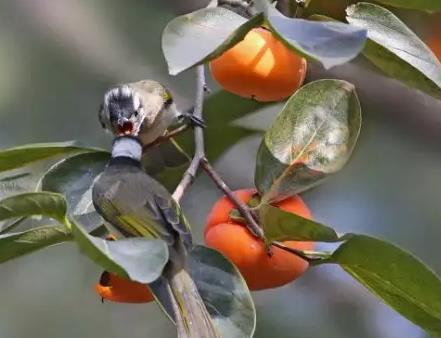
<point x="122" y="120"/>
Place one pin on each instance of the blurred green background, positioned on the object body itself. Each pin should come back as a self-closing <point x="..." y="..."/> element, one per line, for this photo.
<point x="56" y="60"/>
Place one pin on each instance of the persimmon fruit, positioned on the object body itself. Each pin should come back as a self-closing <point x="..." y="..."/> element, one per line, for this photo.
<point x="249" y="254"/>
<point x="260" y="67"/>
<point x="113" y="288"/>
<point x="434" y="42"/>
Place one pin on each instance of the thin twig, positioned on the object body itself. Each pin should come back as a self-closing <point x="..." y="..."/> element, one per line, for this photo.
<point x="165" y="138"/>
<point x="300" y="7"/>
<point x="190" y="174"/>
<point x="241" y="206"/>
<point x="245" y="6"/>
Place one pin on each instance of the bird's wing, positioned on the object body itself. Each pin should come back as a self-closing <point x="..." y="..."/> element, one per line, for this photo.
<point x="171" y="212"/>
<point x="125" y="202"/>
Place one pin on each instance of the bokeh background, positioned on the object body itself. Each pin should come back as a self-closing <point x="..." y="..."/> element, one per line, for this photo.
<point x="56" y="60"/>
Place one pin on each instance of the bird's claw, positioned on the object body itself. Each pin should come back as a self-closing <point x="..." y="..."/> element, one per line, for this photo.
<point x="194" y="121"/>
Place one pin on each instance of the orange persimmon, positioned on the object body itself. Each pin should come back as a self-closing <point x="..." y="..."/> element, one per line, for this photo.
<point x="122" y="290"/>
<point x="249" y="254"/>
<point x="260" y="67"/>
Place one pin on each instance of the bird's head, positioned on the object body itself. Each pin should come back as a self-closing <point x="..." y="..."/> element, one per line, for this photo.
<point x="122" y="112"/>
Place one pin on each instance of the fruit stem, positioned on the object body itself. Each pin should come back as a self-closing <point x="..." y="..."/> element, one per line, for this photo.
<point x="244" y="210"/>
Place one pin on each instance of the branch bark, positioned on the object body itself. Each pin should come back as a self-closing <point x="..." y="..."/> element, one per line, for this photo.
<point x="190" y="173"/>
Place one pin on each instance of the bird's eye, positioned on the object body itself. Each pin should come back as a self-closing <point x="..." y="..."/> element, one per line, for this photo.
<point x="135" y="113"/>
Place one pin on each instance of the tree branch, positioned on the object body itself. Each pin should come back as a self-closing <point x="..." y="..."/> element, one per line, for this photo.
<point x="190" y="173"/>
<point x="199" y="160"/>
<point x="244" y="210"/>
<point x="246" y="6"/>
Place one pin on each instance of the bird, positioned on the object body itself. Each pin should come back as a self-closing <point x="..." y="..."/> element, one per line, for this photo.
<point x="137" y="205"/>
<point x="145" y="108"/>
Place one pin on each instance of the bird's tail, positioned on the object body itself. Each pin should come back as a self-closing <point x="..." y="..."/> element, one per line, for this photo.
<point x="180" y="299"/>
<point x="191" y="316"/>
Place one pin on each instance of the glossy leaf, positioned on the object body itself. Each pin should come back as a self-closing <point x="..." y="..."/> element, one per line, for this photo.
<point x="422" y="5"/>
<point x="31" y="204"/>
<point x="203" y="35"/>
<point x="280" y="225"/>
<point x="23" y="243"/>
<point x="224" y="292"/>
<point x="394" y="275"/>
<point x="17" y="157"/>
<point x="396" y="50"/>
<point x="330" y="43"/>
<point x="311" y="138"/>
<point x="139" y="259"/>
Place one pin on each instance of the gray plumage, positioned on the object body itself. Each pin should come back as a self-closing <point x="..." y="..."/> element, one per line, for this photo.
<point x="138" y="206"/>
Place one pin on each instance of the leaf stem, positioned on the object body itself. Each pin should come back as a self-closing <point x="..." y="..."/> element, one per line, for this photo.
<point x="309" y="256"/>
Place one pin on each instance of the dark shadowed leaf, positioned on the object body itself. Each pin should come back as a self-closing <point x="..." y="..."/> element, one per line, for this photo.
<point x="32" y="204"/>
<point x="280" y="225"/>
<point x="203" y="35"/>
<point x="23" y="243"/>
<point x="224" y="292"/>
<point x="330" y="43"/>
<point x="73" y="177"/>
<point x="312" y="137"/>
<point x="422" y="5"/>
<point x="17" y="157"/>
<point x="139" y="259"/>
<point x="21" y="180"/>
<point x="394" y="275"/>
<point x="396" y="50"/>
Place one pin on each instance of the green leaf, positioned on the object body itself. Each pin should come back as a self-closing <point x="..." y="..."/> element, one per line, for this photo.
<point x="139" y="259"/>
<point x="422" y="5"/>
<point x="203" y="35"/>
<point x="73" y="178"/>
<point x="396" y="50"/>
<point x="31" y="204"/>
<point x="330" y="43"/>
<point x="280" y="225"/>
<point x="395" y="276"/>
<point x="10" y="225"/>
<point x="312" y="137"/>
<point x="17" y="157"/>
<point x="23" y="243"/>
<point x="224" y="292"/>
